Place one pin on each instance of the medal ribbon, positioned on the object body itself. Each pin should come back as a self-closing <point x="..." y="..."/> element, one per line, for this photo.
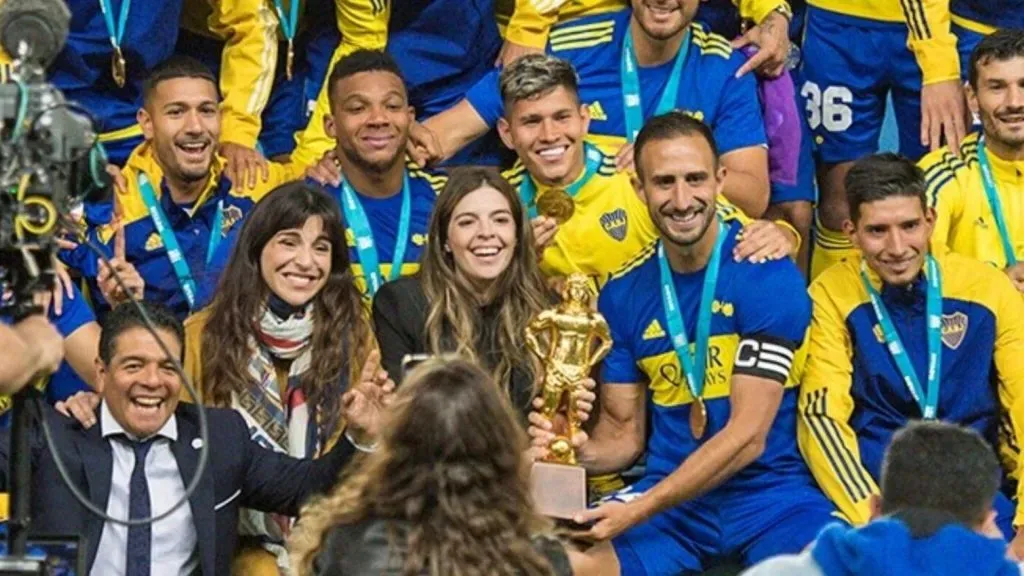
<point x="290" y="22"/>
<point x="366" y="249"/>
<point x="116" y="34"/>
<point x="992" y="193"/>
<point x="693" y="364"/>
<point x="528" y="189"/>
<point x="631" y="100"/>
<point x="929" y="404"/>
<point x="174" y="253"/>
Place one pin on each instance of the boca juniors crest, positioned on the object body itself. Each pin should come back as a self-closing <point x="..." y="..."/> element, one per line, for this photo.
<point x="954" y="328"/>
<point x="615" y="223"/>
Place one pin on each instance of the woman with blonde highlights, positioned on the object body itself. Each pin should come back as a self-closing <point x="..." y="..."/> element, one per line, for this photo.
<point x="445" y="494"/>
<point x="477" y="289"/>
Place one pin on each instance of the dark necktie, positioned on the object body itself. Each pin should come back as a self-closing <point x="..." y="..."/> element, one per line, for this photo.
<point x="139" y="537"/>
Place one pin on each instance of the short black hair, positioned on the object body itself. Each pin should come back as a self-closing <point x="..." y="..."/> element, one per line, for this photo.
<point x="127" y="316"/>
<point x="672" y="125"/>
<point x="176" y="66"/>
<point x="1002" y="45"/>
<point x="943" y="467"/>
<point x="880" y="176"/>
<point x="361" y="61"/>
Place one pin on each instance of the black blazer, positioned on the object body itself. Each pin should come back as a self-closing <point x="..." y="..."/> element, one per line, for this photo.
<point x="400" y="317"/>
<point x="239" y="473"/>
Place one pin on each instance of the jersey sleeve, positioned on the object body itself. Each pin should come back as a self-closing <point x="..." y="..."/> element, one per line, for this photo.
<point x="740" y="123"/>
<point x="930" y="39"/>
<point x="620" y="365"/>
<point x="758" y="10"/>
<point x="76" y="313"/>
<point x="531" y="21"/>
<point x="363" y="24"/>
<point x="827" y="441"/>
<point x="249" y="31"/>
<point x="1008" y="358"/>
<point x="485" y="97"/>
<point x="943" y="193"/>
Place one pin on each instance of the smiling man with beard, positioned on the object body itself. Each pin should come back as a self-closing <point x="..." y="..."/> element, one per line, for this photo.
<point x="904" y="333"/>
<point x="979" y="197"/>
<point x="723" y="473"/>
<point x="172" y="197"/>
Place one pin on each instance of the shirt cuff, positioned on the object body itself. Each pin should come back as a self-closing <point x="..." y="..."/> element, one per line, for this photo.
<point x="937" y="58"/>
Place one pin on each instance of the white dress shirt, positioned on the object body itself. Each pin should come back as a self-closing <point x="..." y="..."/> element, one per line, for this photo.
<point x="173" y="550"/>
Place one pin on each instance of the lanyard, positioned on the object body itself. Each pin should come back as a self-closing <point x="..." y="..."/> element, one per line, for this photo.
<point x="174" y="253"/>
<point x="366" y="250"/>
<point x="992" y="193"/>
<point x="116" y="34"/>
<point x="930" y="404"/>
<point x="631" y="100"/>
<point x="528" y="190"/>
<point x="288" y="25"/>
<point x="693" y="365"/>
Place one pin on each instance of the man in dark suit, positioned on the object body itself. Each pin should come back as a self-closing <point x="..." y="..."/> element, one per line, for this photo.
<point x="137" y="462"/>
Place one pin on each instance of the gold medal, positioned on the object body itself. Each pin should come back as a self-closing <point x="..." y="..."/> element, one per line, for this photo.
<point x="118" y="67"/>
<point x="556" y="203"/>
<point x="698" y="418"/>
<point x="289" y="61"/>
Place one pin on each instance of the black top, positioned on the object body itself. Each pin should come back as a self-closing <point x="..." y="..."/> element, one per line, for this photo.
<point x="370" y="548"/>
<point x="400" y="317"/>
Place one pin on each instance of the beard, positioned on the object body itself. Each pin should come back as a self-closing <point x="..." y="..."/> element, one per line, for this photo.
<point x="687" y="239"/>
<point x="1003" y="136"/>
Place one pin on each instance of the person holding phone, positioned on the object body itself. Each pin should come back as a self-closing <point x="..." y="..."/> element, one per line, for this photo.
<point x="478" y="286"/>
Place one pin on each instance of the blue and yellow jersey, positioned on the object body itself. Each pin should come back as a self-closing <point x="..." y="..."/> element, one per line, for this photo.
<point x="986" y="16"/>
<point x="853" y="397"/>
<point x="384" y="216"/>
<point x="708" y="89"/>
<point x="610" y="228"/>
<point x="243" y="55"/>
<point x="528" y="22"/>
<point x="82" y="70"/>
<point x="964" y="220"/>
<point x="759" y="319"/>
<point x="928" y="26"/>
<point x="442" y="48"/>
<point x="192" y="227"/>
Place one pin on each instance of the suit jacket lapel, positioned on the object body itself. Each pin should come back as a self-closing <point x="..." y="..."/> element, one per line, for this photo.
<point x="202" y="499"/>
<point x="98" y="463"/>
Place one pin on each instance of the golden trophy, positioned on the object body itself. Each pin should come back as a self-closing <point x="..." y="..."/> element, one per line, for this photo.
<point x="570" y="339"/>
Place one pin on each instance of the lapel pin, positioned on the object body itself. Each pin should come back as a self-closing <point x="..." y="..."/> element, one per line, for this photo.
<point x="197" y="443"/>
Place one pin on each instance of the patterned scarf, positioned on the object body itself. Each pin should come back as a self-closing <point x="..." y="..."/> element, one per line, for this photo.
<point x="286" y="425"/>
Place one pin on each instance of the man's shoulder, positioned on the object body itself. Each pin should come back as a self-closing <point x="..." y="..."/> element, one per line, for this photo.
<point x="589" y="35"/>
<point x="942" y="167"/>
<point x="426" y="180"/>
<point x="839" y="286"/>
<point x="220" y="422"/>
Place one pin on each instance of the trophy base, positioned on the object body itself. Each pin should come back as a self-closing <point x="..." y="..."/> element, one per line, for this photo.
<point x="558" y="490"/>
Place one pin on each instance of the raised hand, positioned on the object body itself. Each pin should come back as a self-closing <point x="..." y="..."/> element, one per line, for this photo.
<point x="326" y="171"/>
<point x="363" y="405"/>
<point x="244" y="164"/>
<point x="111" y="290"/>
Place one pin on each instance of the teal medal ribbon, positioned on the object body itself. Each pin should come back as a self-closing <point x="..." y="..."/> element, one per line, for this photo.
<point x="116" y="34"/>
<point x="631" y="100"/>
<point x="366" y="249"/>
<point x="992" y="193"/>
<point x="927" y="400"/>
<point x="174" y="252"/>
<point x="289" y="24"/>
<point x="693" y="364"/>
<point x="528" y="189"/>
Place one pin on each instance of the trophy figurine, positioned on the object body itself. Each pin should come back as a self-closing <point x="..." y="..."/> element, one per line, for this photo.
<point x="564" y="338"/>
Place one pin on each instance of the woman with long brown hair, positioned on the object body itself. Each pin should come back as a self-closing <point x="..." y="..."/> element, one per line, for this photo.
<point x="284" y="336"/>
<point x="477" y="289"/>
<point x="445" y="493"/>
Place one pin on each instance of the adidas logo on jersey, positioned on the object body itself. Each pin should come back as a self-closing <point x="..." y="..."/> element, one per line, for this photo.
<point x="653" y="331"/>
<point x="596" y="111"/>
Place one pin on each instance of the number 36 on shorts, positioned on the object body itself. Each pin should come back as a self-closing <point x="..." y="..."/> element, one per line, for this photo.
<point x="828" y="108"/>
